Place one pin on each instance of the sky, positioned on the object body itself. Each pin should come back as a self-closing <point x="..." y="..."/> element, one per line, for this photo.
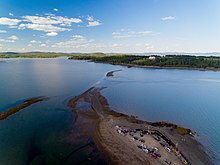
<point x="110" y="26"/>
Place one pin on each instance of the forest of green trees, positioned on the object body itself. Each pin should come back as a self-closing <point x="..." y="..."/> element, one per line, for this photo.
<point x="177" y="61"/>
<point x="33" y="55"/>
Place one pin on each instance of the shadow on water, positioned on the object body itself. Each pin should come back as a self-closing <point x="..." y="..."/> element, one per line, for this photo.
<point x="35" y="156"/>
<point x="85" y="154"/>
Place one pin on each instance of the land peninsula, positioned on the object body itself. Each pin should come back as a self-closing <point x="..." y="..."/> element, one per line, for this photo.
<point x="155" y="61"/>
<point x="124" y="139"/>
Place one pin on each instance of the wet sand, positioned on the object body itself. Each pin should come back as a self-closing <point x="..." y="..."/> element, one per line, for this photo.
<point x="98" y="123"/>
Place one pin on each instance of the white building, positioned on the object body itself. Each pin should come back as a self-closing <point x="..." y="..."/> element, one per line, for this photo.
<point x="152" y="58"/>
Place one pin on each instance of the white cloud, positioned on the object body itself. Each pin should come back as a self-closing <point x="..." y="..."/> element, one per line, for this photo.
<point x="129" y="34"/>
<point x="51" y="20"/>
<point x="42" y="45"/>
<point x="14" y="26"/>
<point x="35" y="42"/>
<point x="3" y="31"/>
<point x="168" y="18"/>
<point x="52" y="34"/>
<point x="86" y="45"/>
<point x="94" y="23"/>
<point x="8" y="21"/>
<point x="8" y="41"/>
<point x="90" y="18"/>
<point x="64" y="21"/>
<point x="13" y="37"/>
<point x="75" y="41"/>
<point x="11" y="14"/>
<point x="55" y="9"/>
<point x="40" y="20"/>
<point x="44" y="28"/>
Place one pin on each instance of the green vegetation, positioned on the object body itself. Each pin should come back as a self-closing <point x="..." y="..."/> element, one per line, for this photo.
<point x="180" y="130"/>
<point x="25" y="104"/>
<point x="183" y="131"/>
<point x="168" y="61"/>
<point x="33" y="55"/>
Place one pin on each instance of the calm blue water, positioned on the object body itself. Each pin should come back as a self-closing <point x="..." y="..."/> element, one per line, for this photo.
<point x="42" y="126"/>
<point x="186" y="97"/>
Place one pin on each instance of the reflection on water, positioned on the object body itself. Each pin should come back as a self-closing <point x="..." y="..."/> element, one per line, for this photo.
<point x="37" y="134"/>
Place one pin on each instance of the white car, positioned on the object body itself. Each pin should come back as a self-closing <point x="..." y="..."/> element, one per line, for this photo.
<point x="168" y="149"/>
<point x="155" y="148"/>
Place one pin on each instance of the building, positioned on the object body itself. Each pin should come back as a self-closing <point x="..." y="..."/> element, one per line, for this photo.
<point x="152" y="58"/>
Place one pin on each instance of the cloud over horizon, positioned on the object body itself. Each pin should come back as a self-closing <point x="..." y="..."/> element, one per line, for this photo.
<point x="168" y="18"/>
<point x="129" y="34"/>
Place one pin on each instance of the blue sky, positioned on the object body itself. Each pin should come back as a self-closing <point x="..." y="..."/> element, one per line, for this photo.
<point x="123" y="26"/>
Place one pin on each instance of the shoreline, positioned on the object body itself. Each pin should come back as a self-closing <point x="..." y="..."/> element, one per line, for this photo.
<point x="159" y="67"/>
<point x="121" y="64"/>
<point x="119" y="150"/>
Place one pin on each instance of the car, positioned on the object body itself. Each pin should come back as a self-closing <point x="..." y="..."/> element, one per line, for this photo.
<point x="157" y="138"/>
<point x="144" y="146"/>
<point x="140" y="147"/>
<point x="146" y="150"/>
<point x="164" y="144"/>
<point x="142" y="140"/>
<point x="153" y="155"/>
<point x="141" y="134"/>
<point x="131" y="134"/>
<point x="136" y="138"/>
<point x="155" y="148"/>
<point x="150" y="150"/>
<point x="158" y="155"/>
<point x="168" y="149"/>
<point x="167" y="162"/>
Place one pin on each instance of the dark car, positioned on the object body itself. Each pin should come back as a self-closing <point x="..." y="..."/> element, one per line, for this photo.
<point x="158" y="155"/>
<point x="140" y="147"/>
<point x="157" y="138"/>
<point x="141" y="134"/>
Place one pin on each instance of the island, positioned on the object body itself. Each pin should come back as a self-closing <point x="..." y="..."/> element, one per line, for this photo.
<point x="5" y="114"/>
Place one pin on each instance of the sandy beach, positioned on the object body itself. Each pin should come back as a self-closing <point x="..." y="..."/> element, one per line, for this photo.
<point x="118" y="137"/>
